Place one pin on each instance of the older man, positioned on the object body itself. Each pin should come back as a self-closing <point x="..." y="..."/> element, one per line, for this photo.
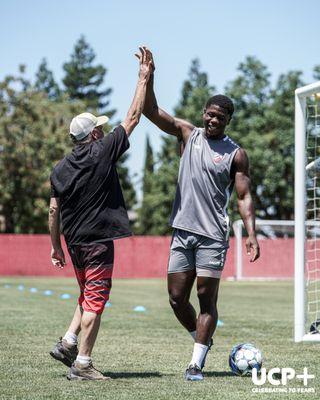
<point x="86" y="193"/>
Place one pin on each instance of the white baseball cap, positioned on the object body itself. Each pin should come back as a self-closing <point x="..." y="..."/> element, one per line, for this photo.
<point x="82" y="124"/>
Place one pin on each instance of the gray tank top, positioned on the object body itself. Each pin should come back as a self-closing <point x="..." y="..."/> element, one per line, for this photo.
<point x="204" y="186"/>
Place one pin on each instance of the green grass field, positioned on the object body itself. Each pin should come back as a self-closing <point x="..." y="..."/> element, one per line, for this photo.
<point x="146" y="353"/>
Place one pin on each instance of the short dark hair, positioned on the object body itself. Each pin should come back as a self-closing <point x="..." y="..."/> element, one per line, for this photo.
<point x="221" y="101"/>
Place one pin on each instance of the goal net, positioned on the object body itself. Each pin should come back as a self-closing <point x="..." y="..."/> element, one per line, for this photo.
<point x="307" y="213"/>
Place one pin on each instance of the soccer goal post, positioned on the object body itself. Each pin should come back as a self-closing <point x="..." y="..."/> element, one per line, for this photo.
<point x="307" y="214"/>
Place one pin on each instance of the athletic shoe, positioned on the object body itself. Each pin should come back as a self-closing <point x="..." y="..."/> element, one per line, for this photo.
<point x="85" y="373"/>
<point x="209" y="347"/>
<point x="193" y="373"/>
<point x="64" y="352"/>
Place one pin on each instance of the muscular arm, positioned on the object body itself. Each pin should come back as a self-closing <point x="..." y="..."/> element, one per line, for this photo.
<point x="134" y="114"/>
<point x="174" y="126"/>
<point x="57" y="255"/>
<point x="245" y="203"/>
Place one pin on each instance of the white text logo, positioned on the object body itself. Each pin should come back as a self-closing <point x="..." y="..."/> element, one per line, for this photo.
<point x="281" y="377"/>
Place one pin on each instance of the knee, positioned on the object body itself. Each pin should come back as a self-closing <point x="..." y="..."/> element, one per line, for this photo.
<point x="203" y="294"/>
<point x="89" y="319"/>
<point x="207" y="302"/>
<point x="177" y="300"/>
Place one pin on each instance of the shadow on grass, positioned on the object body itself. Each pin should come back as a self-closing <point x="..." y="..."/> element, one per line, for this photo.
<point x="128" y="375"/>
<point x="221" y="374"/>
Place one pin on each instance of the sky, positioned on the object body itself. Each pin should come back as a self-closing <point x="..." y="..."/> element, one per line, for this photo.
<point x="283" y="34"/>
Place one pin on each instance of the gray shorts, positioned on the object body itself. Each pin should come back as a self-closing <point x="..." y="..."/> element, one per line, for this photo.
<point x="190" y="251"/>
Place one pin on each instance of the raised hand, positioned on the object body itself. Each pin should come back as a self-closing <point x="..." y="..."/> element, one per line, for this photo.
<point x="149" y="57"/>
<point x="145" y="62"/>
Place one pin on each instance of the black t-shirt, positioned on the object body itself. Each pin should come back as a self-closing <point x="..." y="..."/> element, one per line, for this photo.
<point x="87" y="184"/>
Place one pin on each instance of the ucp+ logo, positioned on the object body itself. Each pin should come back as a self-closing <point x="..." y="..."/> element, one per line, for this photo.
<point x="286" y="374"/>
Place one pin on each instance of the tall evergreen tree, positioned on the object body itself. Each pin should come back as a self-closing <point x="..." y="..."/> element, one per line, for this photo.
<point x="45" y="81"/>
<point x="83" y="80"/>
<point x="146" y="210"/>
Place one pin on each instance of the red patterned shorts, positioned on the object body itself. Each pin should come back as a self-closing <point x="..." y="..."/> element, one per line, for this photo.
<point x="93" y="265"/>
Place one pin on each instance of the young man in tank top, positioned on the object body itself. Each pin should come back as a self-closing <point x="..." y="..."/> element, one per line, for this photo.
<point x="210" y="166"/>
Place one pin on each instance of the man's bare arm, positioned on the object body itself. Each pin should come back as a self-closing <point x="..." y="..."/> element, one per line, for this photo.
<point x="57" y="255"/>
<point x="134" y="114"/>
<point x="245" y="203"/>
<point x="164" y="121"/>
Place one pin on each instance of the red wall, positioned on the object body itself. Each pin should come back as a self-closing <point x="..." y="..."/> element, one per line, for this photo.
<point x="137" y="257"/>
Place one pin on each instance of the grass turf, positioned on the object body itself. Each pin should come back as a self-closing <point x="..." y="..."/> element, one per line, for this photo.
<point x="146" y="353"/>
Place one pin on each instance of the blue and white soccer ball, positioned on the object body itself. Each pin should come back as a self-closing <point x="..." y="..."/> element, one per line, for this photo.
<point x="243" y="358"/>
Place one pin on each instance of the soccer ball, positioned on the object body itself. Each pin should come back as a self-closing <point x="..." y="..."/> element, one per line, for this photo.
<point x="243" y="358"/>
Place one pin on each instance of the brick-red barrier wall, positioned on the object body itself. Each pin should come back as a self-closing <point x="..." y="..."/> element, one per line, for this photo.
<point x="137" y="257"/>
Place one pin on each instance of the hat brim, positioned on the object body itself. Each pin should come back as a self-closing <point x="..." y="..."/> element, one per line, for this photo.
<point x="103" y="119"/>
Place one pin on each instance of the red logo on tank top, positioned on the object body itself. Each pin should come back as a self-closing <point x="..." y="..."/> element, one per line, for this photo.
<point x="218" y="158"/>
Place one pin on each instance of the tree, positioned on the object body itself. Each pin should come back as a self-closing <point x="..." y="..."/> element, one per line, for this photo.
<point x="33" y="136"/>
<point x="83" y="79"/>
<point x="146" y="210"/>
<point x="194" y="95"/>
<point x="250" y="92"/>
<point x="161" y="198"/>
<point x="278" y="179"/>
<point x="263" y="126"/>
<point x="45" y="81"/>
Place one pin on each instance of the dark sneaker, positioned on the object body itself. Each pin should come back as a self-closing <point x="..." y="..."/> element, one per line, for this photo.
<point x="193" y="373"/>
<point x="64" y="352"/>
<point x="85" y="373"/>
<point x="209" y="347"/>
